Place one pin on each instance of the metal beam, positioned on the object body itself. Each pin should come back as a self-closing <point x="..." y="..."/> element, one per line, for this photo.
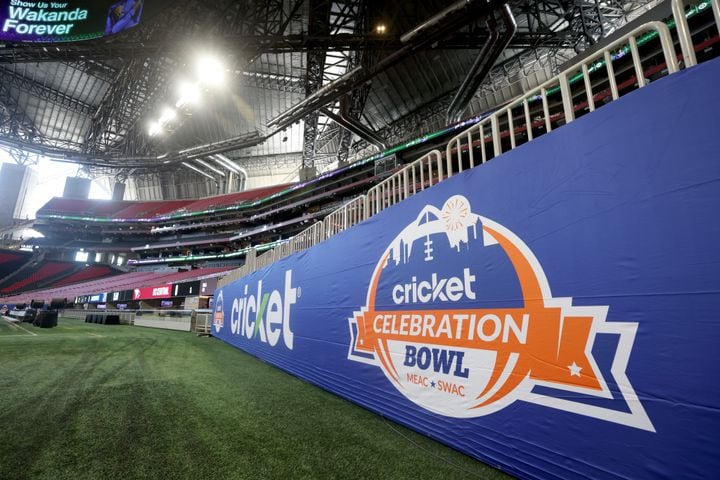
<point x="425" y="34"/>
<point x="158" y="161"/>
<point x="484" y="62"/>
<point x="355" y="127"/>
<point x="242" y="45"/>
<point x="549" y="30"/>
<point x="121" y="106"/>
<point x="351" y="106"/>
<point x="44" y="92"/>
<point x="318" y="24"/>
<point x="14" y="122"/>
<point x="194" y="168"/>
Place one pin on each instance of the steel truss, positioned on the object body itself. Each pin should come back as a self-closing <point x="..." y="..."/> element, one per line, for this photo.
<point x="139" y="66"/>
<point x="318" y="24"/>
<point x="124" y="50"/>
<point x="560" y="29"/>
<point x="347" y="18"/>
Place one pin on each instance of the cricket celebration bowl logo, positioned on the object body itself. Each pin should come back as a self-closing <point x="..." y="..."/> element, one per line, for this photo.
<point x="218" y="316"/>
<point x="435" y="325"/>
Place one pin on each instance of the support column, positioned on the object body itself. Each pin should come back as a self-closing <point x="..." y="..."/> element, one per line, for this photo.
<point x="318" y="26"/>
<point x="118" y="191"/>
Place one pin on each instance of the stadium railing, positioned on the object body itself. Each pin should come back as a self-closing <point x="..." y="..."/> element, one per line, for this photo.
<point x="487" y="134"/>
<point x="203" y="322"/>
<point x="681" y="23"/>
<point x="460" y="152"/>
<point x="184" y="320"/>
<point x="351" y="213"/>
<point x="414" y="177"/>
<point x="126" y="317"/>
<point x="164" y="319"/>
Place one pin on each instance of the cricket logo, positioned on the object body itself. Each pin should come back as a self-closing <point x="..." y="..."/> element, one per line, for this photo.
<point x="451" y="351"/>
<point x="218" y="320"/>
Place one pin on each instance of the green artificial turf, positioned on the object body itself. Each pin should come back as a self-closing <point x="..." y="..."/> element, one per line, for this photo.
<point x="86" y="401"/>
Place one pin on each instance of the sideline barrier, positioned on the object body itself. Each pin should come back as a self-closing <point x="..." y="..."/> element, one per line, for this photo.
<point x="553" y="313"/>
<point x="165" y="319"/>
<point x="203" y="322"/>
<point x="125" y="317"/>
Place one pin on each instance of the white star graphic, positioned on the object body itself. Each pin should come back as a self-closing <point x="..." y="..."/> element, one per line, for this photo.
<point x="574" y="370"/>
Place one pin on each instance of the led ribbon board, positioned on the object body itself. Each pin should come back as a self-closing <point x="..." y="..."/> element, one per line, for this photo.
<point x="553" y="312"/>
<point x="66" y="21"/>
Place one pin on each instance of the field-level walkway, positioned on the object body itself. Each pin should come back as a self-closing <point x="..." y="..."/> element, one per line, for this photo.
<point x="87" y="401"/>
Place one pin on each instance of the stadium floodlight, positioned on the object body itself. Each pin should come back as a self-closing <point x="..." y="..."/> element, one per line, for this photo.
<point x="189" y="94"/>
<point x="154" y="129"/>
<point x="167" y="116"/>
<point x="210" y="71"/>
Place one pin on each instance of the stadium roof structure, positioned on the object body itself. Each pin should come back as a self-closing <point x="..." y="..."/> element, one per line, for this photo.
<point x="309" y="83"/>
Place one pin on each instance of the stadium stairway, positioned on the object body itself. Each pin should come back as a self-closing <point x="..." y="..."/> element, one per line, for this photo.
<point x="14" y="269"/>
<point x="123" y="281"/>
<point x="37" y="275"/>
<point x="11" y="261"/>
<point x="82" y="274"/>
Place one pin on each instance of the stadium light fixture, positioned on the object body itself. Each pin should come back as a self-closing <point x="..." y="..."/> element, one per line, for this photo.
<point x="189" y="94"/>
<point x="210" y="71"/>
<point x="167" y="116"/>
<point x="154" y="129"/>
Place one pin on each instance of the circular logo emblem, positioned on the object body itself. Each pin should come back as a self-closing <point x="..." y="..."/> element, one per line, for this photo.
<point x="218" y="318"/>
<point x="460" y="318"/>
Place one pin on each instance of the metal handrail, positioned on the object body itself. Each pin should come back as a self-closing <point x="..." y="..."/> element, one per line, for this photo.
<point x="351" y="213"/>
<point x="455" y="147"/>
<point x="681" y="23"/>
<point x="405" y="182"/>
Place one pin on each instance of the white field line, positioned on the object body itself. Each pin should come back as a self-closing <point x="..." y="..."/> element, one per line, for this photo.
<point x="18" y="326"/>
<point x="10" y="322"/>
<point x="54" y="335"/>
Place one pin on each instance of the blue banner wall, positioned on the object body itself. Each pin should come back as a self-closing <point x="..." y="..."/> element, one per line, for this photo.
<point x="553" y="312"/>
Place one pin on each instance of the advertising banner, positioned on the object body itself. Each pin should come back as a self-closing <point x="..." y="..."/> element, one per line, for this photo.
<point x="98" y="297"/>
<point x="66" y="21"/>
<point x="149" y="293"/>
<point x="553" y="312"/>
